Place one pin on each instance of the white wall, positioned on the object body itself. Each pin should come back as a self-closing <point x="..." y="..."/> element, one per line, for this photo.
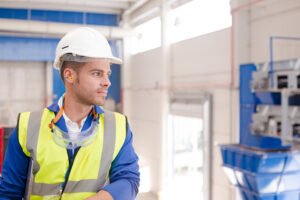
<point x="201" y="59"/>
<point x="275" y="18"/>
<point x="203" y="64"/>
<point x="199" y="64"/>
<point x="23" y="88"/>
<point x="267" y="18"/>
<point x="145" y="113"/>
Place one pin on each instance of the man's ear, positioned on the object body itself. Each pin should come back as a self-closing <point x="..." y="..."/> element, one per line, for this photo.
<point x="69" y="75"/>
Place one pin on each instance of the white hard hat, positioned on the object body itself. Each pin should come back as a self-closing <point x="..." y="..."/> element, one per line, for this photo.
<point x="85" y="42"/>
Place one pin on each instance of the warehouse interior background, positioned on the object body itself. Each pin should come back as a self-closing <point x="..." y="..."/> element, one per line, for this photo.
<point x="179" y="83"/>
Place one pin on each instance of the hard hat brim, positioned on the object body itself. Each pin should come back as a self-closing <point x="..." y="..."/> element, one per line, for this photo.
<point x="113" y="60"/>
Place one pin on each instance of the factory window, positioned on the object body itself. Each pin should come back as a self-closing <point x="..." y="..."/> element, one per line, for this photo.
<point x="187" y="158"/>
<point x="147" y="36"/>
<point x="189" y="147"/>
<point x="198" y="18"/>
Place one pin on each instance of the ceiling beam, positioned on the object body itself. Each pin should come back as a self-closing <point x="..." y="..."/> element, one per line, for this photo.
<point x="104" y="6"/>
<point x="50" y="29"/>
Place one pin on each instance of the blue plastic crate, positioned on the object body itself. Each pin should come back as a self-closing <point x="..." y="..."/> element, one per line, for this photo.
<point x="290" y="195"/>
<point x="263" y="183"/>
<point x="273" y="182"/>
<point x="262" y="172"/>
<point x="260" y="161"/>
<point x="231" y="175"/>
<point x="292" y="162"/>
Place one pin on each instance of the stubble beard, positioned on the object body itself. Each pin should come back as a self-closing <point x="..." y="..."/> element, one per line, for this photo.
<point x="89" y="99"/>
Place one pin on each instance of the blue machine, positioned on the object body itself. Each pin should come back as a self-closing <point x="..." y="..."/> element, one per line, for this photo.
<point x="265" y="165"/>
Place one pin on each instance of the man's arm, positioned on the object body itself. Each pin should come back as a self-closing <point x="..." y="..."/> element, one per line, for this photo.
<point x="102" y="195"/>
<point x="14" y="170"/>
<point x="124" y="173"/>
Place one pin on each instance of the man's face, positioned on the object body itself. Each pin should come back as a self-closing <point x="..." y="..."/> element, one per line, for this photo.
<point x="92" y="82"/>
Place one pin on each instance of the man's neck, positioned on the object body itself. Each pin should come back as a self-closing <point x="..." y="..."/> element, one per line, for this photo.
<point x="74" y="110"/>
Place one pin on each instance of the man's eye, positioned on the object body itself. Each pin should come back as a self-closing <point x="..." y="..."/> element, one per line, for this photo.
<point x="96" y="73"/>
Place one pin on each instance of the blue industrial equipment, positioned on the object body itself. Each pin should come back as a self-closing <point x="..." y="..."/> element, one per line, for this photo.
<point x="265" y="165"/>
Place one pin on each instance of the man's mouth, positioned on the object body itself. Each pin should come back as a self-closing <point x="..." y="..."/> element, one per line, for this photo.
<point x="102" y="92"/>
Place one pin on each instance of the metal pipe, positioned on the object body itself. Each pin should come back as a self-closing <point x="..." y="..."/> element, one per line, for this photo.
<point x="285" y="130"/>
<point x="135" y="6"/>
<point x="246" y="5"/>
<point x="233" y="11"/>
<point x="271" y="61"/>
<point x="271" y="41"/>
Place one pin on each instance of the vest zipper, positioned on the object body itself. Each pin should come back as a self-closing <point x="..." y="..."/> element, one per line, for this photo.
<point x="63" y="186"/>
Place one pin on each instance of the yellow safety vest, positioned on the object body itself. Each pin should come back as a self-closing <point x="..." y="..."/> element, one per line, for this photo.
<point x="50" y="162"/>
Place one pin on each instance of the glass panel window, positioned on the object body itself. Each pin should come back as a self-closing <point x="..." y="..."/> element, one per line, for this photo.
<point x="198" y="17"/>
<point x="187" y="158"/>
<point x="147" y="36"/>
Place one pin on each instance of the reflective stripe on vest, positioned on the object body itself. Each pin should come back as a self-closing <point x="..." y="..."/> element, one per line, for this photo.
<point x="31" y="140"/>
<point x="99" y="154"/>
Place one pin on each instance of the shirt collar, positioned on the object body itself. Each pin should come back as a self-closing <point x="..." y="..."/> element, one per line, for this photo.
<point x="73" y="126"/>
<point x="56" y="106"/>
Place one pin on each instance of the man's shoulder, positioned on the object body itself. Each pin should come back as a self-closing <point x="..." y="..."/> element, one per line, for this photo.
<point x="118" y="116"/>
<point x="112" y="112"/>
<point x="34" y="113"/>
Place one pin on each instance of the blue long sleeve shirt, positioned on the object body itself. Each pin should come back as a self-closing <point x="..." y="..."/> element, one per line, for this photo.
<point x="124" y="172"/>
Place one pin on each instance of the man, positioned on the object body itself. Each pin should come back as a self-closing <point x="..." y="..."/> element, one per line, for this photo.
<point x="74" y="149"/>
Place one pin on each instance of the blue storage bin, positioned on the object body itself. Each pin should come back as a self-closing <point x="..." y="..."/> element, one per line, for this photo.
<point x="263" y="183"/>
<point x="249" y="195"/>
<point x="260" y="161"/>
<point x="262" y="172"/>
<point x="228" y="156"/>
<point x="293" y="162"/>
<point x="289" y="181"/>
<point x="230" y="173"/>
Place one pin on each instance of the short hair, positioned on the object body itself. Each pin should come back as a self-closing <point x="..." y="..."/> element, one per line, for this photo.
<point x="76" y="66"/>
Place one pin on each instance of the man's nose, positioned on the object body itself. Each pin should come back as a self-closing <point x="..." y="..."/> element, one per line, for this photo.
<point x="105" y="82"/>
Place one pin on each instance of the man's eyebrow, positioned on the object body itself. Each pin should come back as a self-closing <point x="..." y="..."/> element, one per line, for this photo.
<point x="99" y="70"/>
<point x="91" y="70"/>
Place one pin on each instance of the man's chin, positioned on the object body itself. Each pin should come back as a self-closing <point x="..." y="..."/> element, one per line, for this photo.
<point x="100" y="103"/>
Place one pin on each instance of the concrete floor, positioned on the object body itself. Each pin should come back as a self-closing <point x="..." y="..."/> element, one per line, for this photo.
<point x="146" y="196"/>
